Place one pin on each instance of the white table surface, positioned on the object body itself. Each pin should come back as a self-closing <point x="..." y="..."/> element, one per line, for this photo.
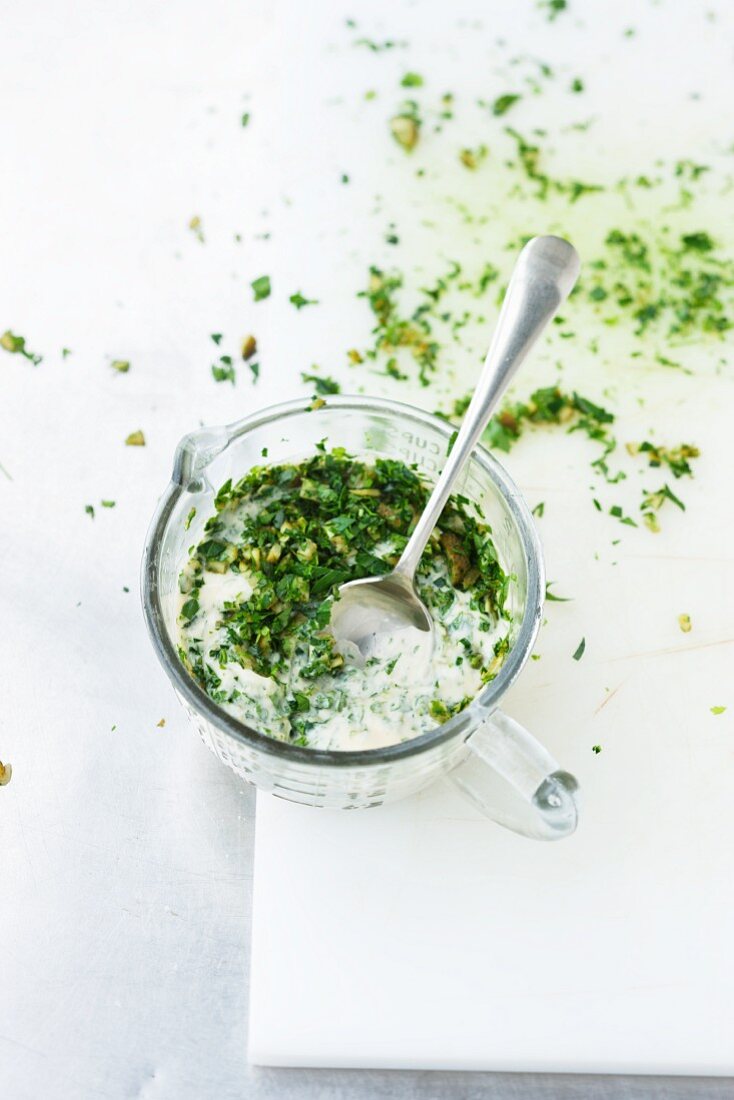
<point x="126" y="851"/>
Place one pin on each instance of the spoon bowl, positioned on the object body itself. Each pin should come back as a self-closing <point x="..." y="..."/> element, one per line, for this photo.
<point x="381" y="617"/>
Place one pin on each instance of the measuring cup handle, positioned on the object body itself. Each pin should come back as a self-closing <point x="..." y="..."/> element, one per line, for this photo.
<point x="516" y="782"/>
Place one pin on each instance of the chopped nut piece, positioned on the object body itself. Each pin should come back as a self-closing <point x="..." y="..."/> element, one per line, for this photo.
<point x="406" y="131"/>
<point x="249" y="347"/>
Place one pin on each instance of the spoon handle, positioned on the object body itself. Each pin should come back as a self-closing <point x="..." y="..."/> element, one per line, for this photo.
<point x="544" y="275"/>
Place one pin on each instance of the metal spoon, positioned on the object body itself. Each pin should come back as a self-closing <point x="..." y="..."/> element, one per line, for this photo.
<point x="375" y="612"/>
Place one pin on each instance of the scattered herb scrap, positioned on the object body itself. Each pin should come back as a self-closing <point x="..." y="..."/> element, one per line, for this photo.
<point x="412" y="80"/>
<point x="261" y="287"/>
<point x="596" y="749"/>
<point x="299" y="301"/>
<point x="197" y="228"/>
<point x="323" y="384"/>
<point x="135" y="439"/>
<point x="684" y="622"/>
<point x="224" y="370"/>
<point x="503" y="103"/>
<point x="89" y="509"/>
<point x="472" y="158"/>
<point x="580" y="650"/>
<point x="16" y="345"/>
<point x="718" y="710"/>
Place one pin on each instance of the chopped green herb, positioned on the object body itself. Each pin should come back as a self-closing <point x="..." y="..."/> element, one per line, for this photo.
<point x="245" y="118"/>
<point x="580" y="650"/>
<point x="539" y="511"/>
<point x="322" y="383"/>
<point x="684" y="622"/>
<point x="89" y="509"/>
<point x="261" y="287"/>
<point x="16" y="346"/>
<point x="596" y="749"/>
<point x="196" y="228"/>
<point x="553" y="598"/>
<point x="135" y="439"/>
<point x="189" y="518"/>
<point x="216" y="337"/>
<point x="503" y="103"/>
<point x="299" y="301"/>
<point x="412" y="80"/>
<point x="472" y="158"/>
<point x="224" y="370"/>
<point x="108" y="503"/>
<point x="254" y="370"/>
<point x="122" y="366"/>
<point x="718" y="710"/>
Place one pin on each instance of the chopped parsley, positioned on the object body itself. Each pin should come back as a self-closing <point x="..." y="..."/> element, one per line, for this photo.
<point x="122" y="366"/>
<point x="16" y="345"/>
<point x="135" y="439"/>
<point x="224" y="370"/>
<point x="580" y="649"/>
<point x="299" y="301"/>
<point x="323" y="384"/>
<point x="261" y="287"/>
<point x="503" y="103"/>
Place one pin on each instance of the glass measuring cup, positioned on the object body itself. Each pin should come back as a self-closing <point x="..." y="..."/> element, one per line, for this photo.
<point x="490" y="757"/>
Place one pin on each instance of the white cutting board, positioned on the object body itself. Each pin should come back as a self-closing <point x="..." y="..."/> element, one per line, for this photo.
<point x="421" y="935"/>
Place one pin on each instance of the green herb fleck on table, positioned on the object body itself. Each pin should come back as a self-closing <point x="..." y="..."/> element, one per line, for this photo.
<point x="108" y="503"/>
<point x="261" y="287"/>
<point x="16" y="345"/>
<point x="596" y="749"/>
<point x="224" y="370"/>
<point x="322" y="383"/>
<point x="684" y="622"/>
<point x="718" y="710"/>
<point x="472" y="158"/>
<point x="190" y="518"/>
<point x="552" y="8"/>
<point x="503" y="103"/>
<point x="552" y="598"/>
<point x="299" y="301"/>
<point x="580" y="650"/>
<point x="89" y="509"/>
<point x="122" y="366"/>
<point x="197" y="228"/>
<point x="245" y="119"/>
<point x="135" y="439"/>
<point x="412" y="80"/>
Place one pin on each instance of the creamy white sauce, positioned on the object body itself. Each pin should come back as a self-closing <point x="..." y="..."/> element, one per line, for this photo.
<point x="387" y="701"/>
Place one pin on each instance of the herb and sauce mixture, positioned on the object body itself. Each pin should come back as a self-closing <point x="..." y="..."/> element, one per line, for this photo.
<point x="257" y="590"/>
